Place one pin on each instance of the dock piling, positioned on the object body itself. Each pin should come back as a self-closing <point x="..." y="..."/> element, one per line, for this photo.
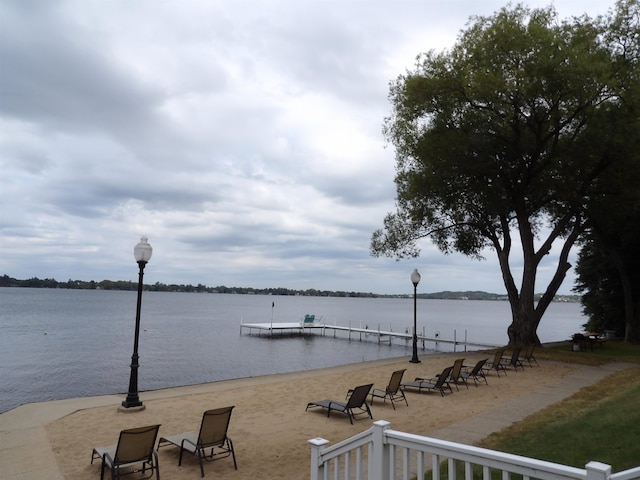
<point x="295" y="329"/>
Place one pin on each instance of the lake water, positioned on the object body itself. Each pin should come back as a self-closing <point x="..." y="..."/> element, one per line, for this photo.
<point x="57" y="344"/>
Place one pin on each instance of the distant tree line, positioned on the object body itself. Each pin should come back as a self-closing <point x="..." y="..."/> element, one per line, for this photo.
<point x="35" y="282"/>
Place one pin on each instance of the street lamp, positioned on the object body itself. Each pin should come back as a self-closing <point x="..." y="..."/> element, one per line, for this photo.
<point x="415" y="279"/>
<point x="142" y="253"/>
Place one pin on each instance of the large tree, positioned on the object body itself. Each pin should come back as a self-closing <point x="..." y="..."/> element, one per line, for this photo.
<point x="498" y="145"/>
<point x="608" y="265"/>
<point x="609" y="278"/>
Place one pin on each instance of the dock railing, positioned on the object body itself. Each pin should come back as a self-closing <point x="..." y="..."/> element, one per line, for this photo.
<point x="310" y="324"/>
<point x="381" y="453"/>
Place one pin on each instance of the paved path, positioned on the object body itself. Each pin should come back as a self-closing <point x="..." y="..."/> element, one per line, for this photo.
<point x="25" y="452"/>
<point x="474" y="429"/>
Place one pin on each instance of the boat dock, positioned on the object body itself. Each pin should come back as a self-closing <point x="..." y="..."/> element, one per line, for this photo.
<point x="355" y="333"/>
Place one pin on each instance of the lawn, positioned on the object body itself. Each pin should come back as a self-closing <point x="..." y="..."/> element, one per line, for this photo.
<point x="600" y="423"/>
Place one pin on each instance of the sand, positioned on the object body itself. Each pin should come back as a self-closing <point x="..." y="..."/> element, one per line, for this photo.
<point x="269" y="425"/>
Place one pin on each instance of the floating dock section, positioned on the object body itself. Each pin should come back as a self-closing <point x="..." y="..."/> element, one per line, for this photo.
<point x="355" y="333"/>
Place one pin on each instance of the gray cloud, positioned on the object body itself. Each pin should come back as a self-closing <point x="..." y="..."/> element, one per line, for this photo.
<point x="243" y="138"/>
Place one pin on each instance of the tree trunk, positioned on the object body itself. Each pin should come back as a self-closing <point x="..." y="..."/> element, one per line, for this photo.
<point x="524" y="324"/>
<point x="524" y="318"/>
<point x="634" y="330"/>
<point x="525" y="314"/>
<point x="631" y="303"/>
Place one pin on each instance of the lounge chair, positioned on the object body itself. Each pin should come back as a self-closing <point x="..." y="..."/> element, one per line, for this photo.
<point x="439" y="383"/>
<point x="135" y="448"/>
<point x="497" y="364"/>
<point x="527" y="355"/>
<point x="455" y="376"/>
<point x="310" y="321"/>
<point x="393" y="391"/>
<point x="513" y="362"/>
<point x="475" y="373"/>
<point x="357" y="400"/>
<point x="212" y="435"/>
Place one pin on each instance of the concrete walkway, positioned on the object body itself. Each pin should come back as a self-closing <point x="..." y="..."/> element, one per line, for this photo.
<point x="25" y="452"/>
<point x="474" y="429"/>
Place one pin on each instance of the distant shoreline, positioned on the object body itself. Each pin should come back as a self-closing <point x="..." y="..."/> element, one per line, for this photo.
<point x="128" y="285"/>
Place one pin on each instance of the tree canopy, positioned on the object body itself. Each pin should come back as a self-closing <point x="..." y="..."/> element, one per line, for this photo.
<point x="609" y="280"/>
<point x="501" y="142"/>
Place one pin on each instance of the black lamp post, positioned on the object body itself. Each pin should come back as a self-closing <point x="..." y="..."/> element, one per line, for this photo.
<point x="415" y="279"/>
<point x="142" y="252"/>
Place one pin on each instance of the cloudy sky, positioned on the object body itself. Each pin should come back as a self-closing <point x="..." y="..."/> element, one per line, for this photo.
<point x="242" y="137"/>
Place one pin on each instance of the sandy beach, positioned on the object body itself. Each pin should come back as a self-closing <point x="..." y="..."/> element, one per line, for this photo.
<point x="270" y="427"/>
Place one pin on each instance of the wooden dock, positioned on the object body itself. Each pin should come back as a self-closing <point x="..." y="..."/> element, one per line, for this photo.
<point x="354" y="333"/>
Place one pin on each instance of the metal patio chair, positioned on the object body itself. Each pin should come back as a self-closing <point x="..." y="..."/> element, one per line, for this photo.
<point x="212" y="436"/>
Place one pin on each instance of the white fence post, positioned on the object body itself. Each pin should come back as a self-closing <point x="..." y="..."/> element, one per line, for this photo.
<point x="381" y="443"/>
<point x="317" y="467"/>
<point x="380" y="465"/>
<point x="598" y="471"/>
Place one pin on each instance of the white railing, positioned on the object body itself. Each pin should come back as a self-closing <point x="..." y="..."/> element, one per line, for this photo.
<point x="384" y="454"/>
<point x="632" y="474"/>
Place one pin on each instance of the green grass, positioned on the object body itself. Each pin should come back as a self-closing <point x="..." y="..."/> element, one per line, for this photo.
<point x="610" y="351"/>
<point x="601" y="422"/>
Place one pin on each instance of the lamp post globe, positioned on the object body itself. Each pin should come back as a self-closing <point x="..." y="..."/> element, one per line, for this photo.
<point x="142" y="253"/>
<point x="415" y="279"/>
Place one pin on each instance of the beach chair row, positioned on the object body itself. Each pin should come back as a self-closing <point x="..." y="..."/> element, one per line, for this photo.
<point x="136" y="450"/>
<point x="355" y="406"/>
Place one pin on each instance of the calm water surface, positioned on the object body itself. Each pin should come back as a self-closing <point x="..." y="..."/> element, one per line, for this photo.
<point x="58" y="344"/>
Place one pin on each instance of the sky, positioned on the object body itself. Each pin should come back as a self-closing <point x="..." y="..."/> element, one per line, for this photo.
<point x="243" y="138"/>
